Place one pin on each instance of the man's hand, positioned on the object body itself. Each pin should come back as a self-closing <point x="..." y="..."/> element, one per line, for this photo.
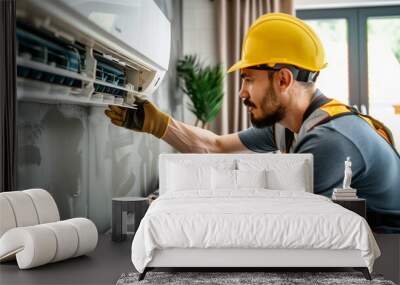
<point x="146" y="118"/>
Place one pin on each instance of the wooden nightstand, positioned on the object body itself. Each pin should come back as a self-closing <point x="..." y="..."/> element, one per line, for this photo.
<point x="357" y="205"/>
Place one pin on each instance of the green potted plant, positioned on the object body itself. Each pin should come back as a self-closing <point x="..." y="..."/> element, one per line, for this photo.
<point x="204" y="86"/>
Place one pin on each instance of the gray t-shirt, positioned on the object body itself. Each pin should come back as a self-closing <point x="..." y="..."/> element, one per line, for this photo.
<point x="375" y="165"/>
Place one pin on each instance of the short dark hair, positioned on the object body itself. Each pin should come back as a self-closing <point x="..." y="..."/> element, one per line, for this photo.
<point x="306" y="85"/>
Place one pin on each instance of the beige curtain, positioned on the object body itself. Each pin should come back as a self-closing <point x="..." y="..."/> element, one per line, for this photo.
<point x="234" y="17"/>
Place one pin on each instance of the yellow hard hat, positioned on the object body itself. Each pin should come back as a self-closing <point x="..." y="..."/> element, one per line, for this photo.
<point x="277" y="38"/>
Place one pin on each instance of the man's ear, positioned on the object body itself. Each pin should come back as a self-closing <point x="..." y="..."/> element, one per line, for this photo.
<point x="285" y="79"/>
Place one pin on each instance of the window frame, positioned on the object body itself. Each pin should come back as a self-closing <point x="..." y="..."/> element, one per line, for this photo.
<point x="357" y="43"/>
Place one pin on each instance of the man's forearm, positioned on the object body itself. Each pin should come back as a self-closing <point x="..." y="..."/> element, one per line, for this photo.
<point x="186" y="138"/>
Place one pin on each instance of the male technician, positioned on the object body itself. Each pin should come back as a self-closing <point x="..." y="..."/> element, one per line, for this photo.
<point x="281" y="60"/>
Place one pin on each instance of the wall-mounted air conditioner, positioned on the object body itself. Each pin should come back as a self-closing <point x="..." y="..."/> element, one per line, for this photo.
<point x="90" y="51"/>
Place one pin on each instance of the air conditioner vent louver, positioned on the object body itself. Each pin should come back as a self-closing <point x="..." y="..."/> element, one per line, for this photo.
<point x="109" y="90"/>
<point x="30" y="73"/>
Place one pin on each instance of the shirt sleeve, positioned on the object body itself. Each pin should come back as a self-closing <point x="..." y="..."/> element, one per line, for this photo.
<point x="330" y="149"/>
<point x="258" y="139"/>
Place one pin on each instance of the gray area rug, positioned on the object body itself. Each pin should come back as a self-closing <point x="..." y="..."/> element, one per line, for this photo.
<point x="228" y="278"/>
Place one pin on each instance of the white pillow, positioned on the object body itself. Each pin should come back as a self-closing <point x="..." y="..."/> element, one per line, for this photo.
<point x="295" y="180"/>
<point x="183" y="177"/>
<point x="282" y="174"/>
<point x="223" y="179"/>
<point x="229" y="179"/>
<point x="251" y="178"/>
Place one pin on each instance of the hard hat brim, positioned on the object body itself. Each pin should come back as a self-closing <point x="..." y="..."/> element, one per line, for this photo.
<point x="239" y="65"/>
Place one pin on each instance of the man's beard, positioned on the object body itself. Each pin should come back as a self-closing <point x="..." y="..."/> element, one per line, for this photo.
<point x="270" y="118"/>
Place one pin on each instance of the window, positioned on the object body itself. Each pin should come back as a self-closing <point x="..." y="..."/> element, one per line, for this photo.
<point x="334" y="78"/>
<point x="363" y="52"/>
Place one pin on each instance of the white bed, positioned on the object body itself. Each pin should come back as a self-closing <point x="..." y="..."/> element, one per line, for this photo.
<point x="247" y="210"/>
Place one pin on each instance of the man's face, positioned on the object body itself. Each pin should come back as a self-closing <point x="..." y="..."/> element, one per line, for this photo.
<point x="259" y="96"/>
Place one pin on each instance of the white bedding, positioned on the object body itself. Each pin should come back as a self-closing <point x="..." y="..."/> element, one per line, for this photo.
<point x="251" y="218"/>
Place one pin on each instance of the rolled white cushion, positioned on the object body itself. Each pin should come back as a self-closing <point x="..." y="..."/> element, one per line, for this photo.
<point x="45" y="205"/>
<point x="33" y="246"/>
<point x="37" y="245"/>
<point x="67" y="240"/>
<point x="23" y="208"/>
<point x="7" y="218"/>
<point x="87" y="234"/>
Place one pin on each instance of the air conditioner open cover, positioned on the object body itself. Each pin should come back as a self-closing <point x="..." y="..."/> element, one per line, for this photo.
<point x="91" y="51"/>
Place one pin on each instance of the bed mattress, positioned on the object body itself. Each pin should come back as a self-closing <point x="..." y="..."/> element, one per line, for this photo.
<point x="250" y="219"/>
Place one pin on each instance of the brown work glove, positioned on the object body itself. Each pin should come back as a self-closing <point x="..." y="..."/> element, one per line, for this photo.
<point x="146" y="118"/>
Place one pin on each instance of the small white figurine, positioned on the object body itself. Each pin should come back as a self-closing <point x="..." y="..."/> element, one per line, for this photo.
<point x="347" y="174"/>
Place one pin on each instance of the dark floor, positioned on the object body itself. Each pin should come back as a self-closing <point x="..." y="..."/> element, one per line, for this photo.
<point x="102" y="266"/>
<point x="110" y="259"/>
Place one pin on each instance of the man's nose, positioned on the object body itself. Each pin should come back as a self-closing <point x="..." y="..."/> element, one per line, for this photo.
<point x="243" y="94"/>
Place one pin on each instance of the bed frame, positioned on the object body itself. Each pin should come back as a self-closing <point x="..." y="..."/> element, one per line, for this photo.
<point x="248" y="259"/>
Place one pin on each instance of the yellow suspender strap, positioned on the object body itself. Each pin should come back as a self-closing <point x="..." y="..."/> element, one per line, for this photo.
<point x="335" y="109"/>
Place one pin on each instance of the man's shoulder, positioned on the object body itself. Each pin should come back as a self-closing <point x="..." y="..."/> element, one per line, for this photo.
<point x="328" y="138"/>
<point x="346" y="129"/>
<point x="349" y="126"/>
